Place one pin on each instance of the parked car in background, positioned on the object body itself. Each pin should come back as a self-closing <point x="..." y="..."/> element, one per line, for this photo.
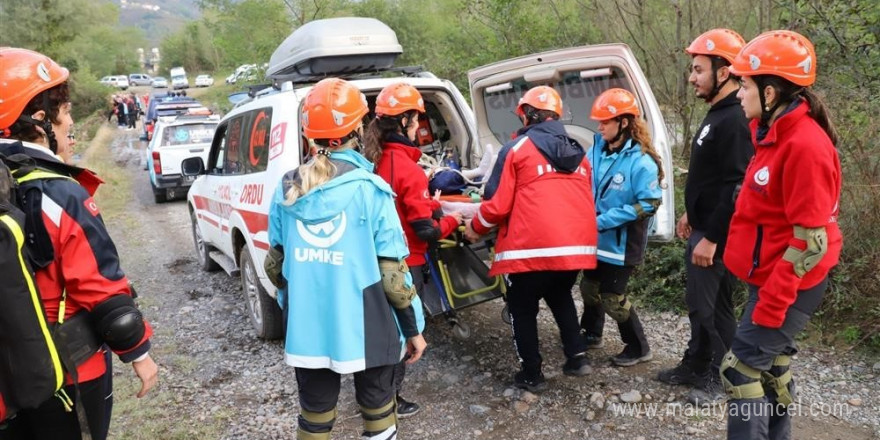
<point x="177" y="138"/>
<point x="139" y="79"/>
<point x="244" y="72"/>
<point x="120" y="81"/>
<point x="178" y="78"/>
<point x="162" y="105"/>
<point x="160" y="83"/>
<point x="204" y="81"/>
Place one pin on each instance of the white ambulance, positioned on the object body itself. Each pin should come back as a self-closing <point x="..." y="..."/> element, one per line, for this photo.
<point x="261" y="139"/>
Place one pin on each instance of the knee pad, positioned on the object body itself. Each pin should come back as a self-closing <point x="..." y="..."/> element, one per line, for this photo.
<point x="380" y="422"/>
<point x="118" y="322"/>
<point x="740" y="381"/>
<point x="616" y="306"/>
<point x="315" y="425"/>
<point x="590" y="293"/>
<point x="778" y="380"/>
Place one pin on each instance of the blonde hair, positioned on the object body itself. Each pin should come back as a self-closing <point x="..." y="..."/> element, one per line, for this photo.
<point x="316" y="172"/>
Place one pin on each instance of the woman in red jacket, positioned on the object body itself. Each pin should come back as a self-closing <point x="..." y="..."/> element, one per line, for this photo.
<point x="389" y="144"/>
<point x="784" y="236"/>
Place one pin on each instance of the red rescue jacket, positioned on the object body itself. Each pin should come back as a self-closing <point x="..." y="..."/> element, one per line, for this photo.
<point x="793" y="179"/>
<point x="545" y="216"/>
<point x="399" y="167"/>
<point x="86" y="263"/>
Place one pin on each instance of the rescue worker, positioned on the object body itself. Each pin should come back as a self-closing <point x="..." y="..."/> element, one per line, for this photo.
<point x="390" y="145"/>
<point x="720" y="152"/>
<point x="82" y="286"/>
<point x="784" y="236"/>
<point x="627" y="172"/>
<point x="546" y="237"/>
<point x="338" y="251"/>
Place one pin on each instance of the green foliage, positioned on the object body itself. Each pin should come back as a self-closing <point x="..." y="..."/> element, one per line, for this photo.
<point x="87" y="94"/>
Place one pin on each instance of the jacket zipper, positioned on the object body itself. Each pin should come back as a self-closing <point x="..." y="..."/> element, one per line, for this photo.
<point x="756" y="253"/>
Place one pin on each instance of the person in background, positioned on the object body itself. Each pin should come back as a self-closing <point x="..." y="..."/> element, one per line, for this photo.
<point x="338" y="258"/>
<point x="546" y="237"/>
<point x="720" y="153"/>
<point x="784" y="236"/>
<point x="390" y="145"/>
<point x="77" y="266"/>
<point x="627" y="172"/>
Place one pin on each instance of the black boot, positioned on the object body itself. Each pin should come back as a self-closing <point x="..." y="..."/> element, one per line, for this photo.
<point x="633" y="335"/>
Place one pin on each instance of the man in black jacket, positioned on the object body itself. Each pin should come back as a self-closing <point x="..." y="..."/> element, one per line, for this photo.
<point x="720" y="153"/>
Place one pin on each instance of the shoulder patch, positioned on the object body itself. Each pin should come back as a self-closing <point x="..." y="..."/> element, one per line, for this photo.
<point x="91" y="206"/>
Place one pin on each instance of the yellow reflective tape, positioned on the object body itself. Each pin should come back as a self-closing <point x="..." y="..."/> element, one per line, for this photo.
<point x="35" y="299"/>
<point x="319" y="418"/>
<point x="40" y="174"/>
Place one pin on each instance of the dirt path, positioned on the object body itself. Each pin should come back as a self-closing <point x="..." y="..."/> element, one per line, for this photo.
<point x="219" y="381"/>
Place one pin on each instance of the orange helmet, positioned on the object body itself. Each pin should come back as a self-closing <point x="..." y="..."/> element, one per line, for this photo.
<point x="399" y="98"/>
<point x="723" y="43"/>
<point x="541" y="98"/>
<point x="613" y="103"/>
<point x="785" y="54"/>
<point x="333" y="109"/>
<point x="24" y="74"/>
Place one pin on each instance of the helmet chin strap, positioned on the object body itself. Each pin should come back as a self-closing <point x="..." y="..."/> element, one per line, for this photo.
<point x="46" y="125"/>
<point x="620" y="131"/>
<point x="716" y="87"/>
<point x="766" y="112"/>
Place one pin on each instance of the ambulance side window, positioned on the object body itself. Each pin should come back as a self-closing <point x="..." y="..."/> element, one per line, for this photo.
<point x="233" y="164"/>
<point x="254" y="151"/>
<point x="218" y="151"/>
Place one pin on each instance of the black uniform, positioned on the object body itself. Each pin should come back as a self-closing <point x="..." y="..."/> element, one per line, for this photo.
<point x="720" y="152"/>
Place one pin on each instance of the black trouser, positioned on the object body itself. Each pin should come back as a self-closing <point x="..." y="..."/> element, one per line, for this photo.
<point x="757" y="347"/>
<point x="419" y="284"/>
<point x="709" y="300"/>
<point x="50" y="421"/>
<point x="613" y="279"/>
<point x="525" y="291"/>
<point x="319" y="389"/>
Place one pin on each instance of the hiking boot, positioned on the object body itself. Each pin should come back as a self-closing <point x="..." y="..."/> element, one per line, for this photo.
<point x="681" y="374"/>
<point x="529" y="382"/>
<point x="593" y="342"/>
<point x="629" y="357"/>
<point x="710" y="391"/>
<point x="577" y="366"/>
<point x="406" y="409"/>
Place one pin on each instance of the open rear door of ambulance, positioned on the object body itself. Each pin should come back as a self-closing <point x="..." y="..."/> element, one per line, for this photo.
<point x="579" y="74"/>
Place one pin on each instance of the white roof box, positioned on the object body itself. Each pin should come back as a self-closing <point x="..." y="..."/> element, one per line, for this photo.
<point x="334" y="47"/>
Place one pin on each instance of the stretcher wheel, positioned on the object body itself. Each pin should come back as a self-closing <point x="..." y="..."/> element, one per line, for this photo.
<point x="505" y="315"/>
<point x="461" y="330"/>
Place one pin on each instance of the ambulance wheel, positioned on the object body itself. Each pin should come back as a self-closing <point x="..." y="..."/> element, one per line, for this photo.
<point x="206" y="263"/>
<point x="461" y="330"/>
<point x="505" y="315"/>
<point x="263" y="309"/>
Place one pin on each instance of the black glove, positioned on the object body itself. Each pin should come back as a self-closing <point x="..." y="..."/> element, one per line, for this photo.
<point x="273" y="264"/>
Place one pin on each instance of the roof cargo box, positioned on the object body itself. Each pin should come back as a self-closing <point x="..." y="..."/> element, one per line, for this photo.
<point x="334" y="47"/>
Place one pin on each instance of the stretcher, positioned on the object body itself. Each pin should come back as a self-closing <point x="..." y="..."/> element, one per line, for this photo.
<point x="456" y="276"/>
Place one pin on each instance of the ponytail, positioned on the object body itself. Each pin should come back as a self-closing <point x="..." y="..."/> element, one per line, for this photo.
<point x="819" y="112"/>
<point x="317" y="171"/>
<point x="638" y="130"/>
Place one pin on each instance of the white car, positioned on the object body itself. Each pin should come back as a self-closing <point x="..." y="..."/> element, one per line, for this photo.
<point x="175" y="139"/>
<point x="260" y="139"/>
<point x="120" y="81"/>
<point x="204" y="81"/>
<point x="159" y="82"/>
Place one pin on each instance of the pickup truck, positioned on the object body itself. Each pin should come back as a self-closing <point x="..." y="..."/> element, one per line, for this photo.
<point x="177" y="138"/>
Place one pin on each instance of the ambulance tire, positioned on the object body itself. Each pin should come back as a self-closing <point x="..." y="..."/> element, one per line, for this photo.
<point x="263" y="309"/>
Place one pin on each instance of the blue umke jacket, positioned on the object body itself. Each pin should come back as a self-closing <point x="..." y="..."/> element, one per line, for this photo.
<point x="338" y="316"/>
<point x="621" y="182"/>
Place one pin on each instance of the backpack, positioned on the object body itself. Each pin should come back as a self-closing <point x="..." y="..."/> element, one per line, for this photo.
<point x="30" y="366"/>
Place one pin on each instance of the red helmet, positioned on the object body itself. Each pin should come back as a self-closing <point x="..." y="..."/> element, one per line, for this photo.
<point x="785" y="54"/>
<point x="541" y="98"/>
<point x="24" y="74"/>
<point x="723" y="43"/>
<point x="613" y="103"/>
<point x="399" y="98"/>
<point x="333" y="109"/>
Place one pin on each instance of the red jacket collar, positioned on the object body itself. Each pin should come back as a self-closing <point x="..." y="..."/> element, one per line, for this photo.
<point x="412" y="152"/>
<point x="780" y="125"/>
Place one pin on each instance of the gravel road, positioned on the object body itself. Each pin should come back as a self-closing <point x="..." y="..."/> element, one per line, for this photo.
<point x="219" y="381"/>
